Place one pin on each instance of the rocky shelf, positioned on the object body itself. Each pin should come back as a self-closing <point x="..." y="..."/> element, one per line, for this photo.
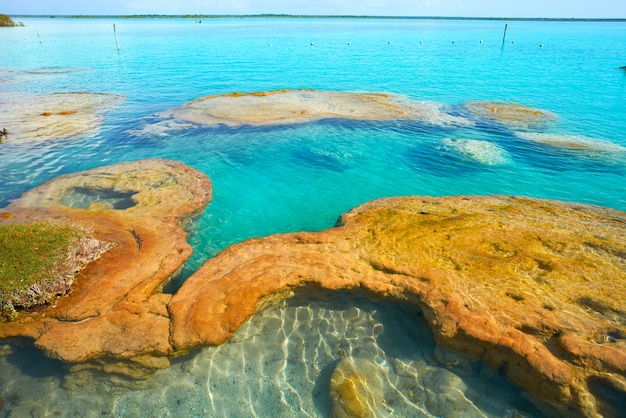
<point x="533" y="288"/>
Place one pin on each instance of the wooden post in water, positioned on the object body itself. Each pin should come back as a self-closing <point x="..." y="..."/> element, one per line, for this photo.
<point x="504" y="37"/>
<point x="116" y="41"/>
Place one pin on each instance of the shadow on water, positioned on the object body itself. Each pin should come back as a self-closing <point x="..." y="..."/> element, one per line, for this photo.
<point x="614" y="398"/>
<point x="321" y="390"/>
<point x="404" y="325"/>
<point x="32" y="362"/>
<point x="83" y="197"/>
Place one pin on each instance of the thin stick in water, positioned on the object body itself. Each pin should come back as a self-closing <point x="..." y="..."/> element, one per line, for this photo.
<point x="504" y="37"/>
<point x="39" y="36"/>
<point x="116" y="41"/>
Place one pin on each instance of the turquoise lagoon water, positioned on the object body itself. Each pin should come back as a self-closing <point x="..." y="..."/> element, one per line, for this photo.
<point x="302" y="177"/>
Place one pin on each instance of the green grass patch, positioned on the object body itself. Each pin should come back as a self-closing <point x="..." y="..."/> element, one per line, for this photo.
<point x="31" y="254"/>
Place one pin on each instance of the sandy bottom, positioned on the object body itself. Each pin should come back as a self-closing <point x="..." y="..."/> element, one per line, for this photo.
<point x="278" y="364"/>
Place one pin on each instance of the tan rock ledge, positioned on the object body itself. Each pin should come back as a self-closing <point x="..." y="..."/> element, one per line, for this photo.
<point x="115" y="317"/>
<point x="285" y="107"/>
<point x="535" y="289"/>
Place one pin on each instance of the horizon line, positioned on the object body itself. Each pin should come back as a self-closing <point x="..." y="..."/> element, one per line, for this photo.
<point x="338" y="16"/>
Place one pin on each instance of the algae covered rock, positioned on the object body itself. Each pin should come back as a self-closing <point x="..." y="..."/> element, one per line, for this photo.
<point x="115" y="318"/>
<point x="533" y="288"/>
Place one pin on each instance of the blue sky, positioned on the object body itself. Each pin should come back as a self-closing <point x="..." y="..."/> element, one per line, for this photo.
<point x="470" y="8"/>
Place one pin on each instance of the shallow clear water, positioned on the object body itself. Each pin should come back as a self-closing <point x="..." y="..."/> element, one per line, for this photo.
<point x="279" y="363"/>
<point x="302" y="177"/>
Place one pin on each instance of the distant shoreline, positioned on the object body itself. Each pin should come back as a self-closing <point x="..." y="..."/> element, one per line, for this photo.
<point x="288" y="16"/>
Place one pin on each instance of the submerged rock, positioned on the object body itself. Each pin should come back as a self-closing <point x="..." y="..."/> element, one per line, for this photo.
<point x="285" y="107"/>
<point x="356" y="389"/>
<point x="511" y="115"/>
<point x="483" y="152"/>
<point x="56" y="115"/>
<point x="573" y="142"/>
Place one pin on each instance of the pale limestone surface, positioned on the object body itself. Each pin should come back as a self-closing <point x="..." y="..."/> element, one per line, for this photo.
<point x="285" y="107"/>
<point x="56" y="115"/>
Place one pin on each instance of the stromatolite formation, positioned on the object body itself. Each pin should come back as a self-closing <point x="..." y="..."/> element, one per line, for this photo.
<point x="531" y="287"/>
<point x="511" y="115"/>
<point x="56" y="115"/>
<point x="115" y="316"/>
<point x="287" y="107"/>
<point x="536" y="289"/>
<point x="575" y="143"/>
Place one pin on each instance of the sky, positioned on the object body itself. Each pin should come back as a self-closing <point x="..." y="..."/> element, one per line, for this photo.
<point x="465" y="8"/>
